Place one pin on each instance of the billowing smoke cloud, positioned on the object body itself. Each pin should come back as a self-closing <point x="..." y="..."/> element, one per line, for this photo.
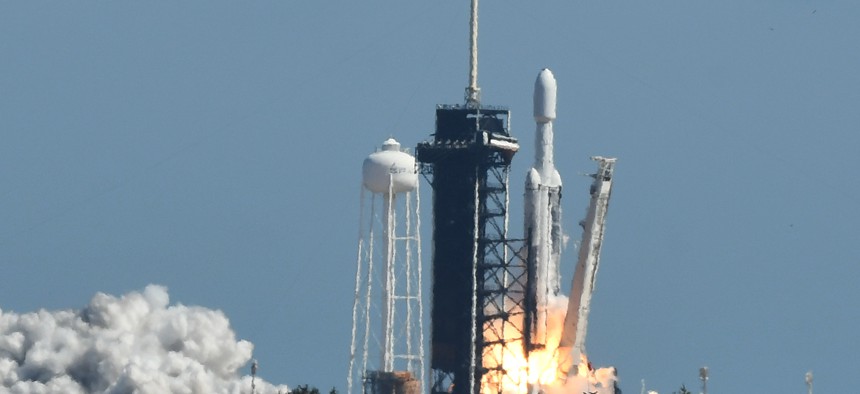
<point x="136" y="343"/>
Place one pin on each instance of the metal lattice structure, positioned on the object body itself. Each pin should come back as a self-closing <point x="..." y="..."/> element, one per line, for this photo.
<point x="479" y="278"/>
<point x="387" y="348"/>
<point x="503" y="280"/>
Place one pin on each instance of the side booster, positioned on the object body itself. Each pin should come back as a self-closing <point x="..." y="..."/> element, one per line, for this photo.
<point x="543" y="212"/>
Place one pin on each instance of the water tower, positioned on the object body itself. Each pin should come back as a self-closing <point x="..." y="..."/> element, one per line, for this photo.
<point x="387" y="352"/>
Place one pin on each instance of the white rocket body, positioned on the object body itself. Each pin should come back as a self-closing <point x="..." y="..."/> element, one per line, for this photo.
<point x="572" y="342"/>
<point x="542" y="207"/>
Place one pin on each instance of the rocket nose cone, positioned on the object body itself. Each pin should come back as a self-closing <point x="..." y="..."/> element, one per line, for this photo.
<point x="546" y="77"/>
<point x="544" y="98"/>
<point x="532" y="179"/>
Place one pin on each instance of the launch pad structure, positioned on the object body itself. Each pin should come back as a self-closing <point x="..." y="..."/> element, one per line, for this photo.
<point x="479" y="280"/>
<point x="491" y="293"/>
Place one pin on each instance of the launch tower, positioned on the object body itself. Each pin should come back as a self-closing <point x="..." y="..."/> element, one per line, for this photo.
<point x="479" y="281"/>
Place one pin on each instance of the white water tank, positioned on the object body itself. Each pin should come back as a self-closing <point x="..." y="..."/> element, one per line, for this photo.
<point x="390" y="169"/>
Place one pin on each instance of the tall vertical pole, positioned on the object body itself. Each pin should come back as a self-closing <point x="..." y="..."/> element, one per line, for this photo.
<point x="473" y="92"/>
<point x="474" y="382"/>
<point x="408" y="237"/>
<point x="254" y="377"/>
<point x="419" y="284"/>
<point x="369" y="281"/>
<point x="356" y="301"/>
<point x="389" y="286"/>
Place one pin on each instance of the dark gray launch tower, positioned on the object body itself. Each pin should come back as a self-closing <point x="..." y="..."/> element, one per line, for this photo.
<point x="479" y="280"/>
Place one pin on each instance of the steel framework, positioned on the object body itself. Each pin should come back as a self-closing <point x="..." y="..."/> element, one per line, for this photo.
<point x="479" y="276"/>
<point x="388" y="296"/>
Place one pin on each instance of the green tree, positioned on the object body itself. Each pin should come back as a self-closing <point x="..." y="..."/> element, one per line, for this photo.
<point x="683" y="390"/>
<point x="304" y="389"/>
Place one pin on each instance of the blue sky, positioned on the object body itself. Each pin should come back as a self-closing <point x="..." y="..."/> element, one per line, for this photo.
<point x="215" y="148"/>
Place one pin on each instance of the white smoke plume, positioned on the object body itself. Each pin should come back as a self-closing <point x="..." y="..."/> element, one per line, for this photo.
<point x="584" y="378"/>
<point x="136" y="343"/>
<point x="599" y="381"/>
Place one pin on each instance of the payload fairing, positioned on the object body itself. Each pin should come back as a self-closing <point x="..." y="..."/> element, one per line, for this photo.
<point x="543" y="209"/>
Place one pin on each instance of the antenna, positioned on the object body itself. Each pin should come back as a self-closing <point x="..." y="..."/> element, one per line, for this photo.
<point x="253" y="377"/>
<point x="809" y="381"/>
<point x="703" y="376"/>
<point x="473" y="92"/>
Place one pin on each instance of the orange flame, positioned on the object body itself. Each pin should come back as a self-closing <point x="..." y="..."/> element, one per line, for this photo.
<point x="511" y="371"/>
